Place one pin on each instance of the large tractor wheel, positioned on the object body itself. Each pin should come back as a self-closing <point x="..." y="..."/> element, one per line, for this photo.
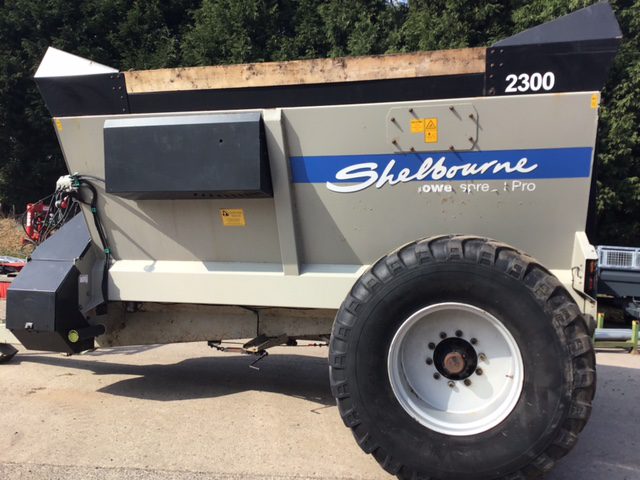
<point x="462" y="358"/>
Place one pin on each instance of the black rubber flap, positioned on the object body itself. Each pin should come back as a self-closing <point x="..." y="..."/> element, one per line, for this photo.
<point x="190" y="156"/>
<point x="595" y="22"/>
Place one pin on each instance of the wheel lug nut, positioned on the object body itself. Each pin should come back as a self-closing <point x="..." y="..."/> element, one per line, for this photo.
<point x="432" y="346"/>
<point x="443" y="335"/>
<point x="458" y="333"/>
<point x="467" y="382"/>
<point x="429" y="361"/>
<point x="478" y="371"/>
<point x="482" y="357"/>
<point x="451" y="384"/>
<point x="474" y="341"/>
<point x="436" y="376"/>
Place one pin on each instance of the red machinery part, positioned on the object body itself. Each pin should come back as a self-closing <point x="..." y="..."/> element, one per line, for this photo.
<point x="35" y="217"/>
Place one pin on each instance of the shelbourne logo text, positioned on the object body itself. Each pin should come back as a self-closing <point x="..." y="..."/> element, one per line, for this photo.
<point x="364" y="175"/>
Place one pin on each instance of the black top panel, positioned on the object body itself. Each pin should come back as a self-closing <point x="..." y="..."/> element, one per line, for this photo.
<point x="596" y="22"/>
<point x="99" y="94"/>
<point x="345" y="93"/>
<point x="549" y="67"/>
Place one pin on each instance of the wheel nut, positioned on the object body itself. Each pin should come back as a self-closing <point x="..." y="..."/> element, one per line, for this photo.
<point x="443" y="335"/>
<point x="467" y="382"/>
<point x="436" y="376"/>
<point x="482" y="357"/>
<point x="432" y="346"/>
<point x="474" y="341"/>
<point x="429" y="361"/>
<point x="458" y="333"/>
<point x="451" y="384"/>
<point x="478" y="371"/>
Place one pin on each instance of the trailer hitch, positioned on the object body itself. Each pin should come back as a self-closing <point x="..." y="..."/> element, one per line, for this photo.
<point x="7" y="352"/>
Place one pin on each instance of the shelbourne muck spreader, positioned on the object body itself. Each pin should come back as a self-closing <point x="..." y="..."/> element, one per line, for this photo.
<point x="381" y="204"/>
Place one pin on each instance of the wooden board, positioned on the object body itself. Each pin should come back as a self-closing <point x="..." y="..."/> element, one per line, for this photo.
<point x="300" y="72"/>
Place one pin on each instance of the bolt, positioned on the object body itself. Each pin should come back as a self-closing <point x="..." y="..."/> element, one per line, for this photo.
<point x="443" y="335"/>
<point x="458" y="333"/>
<point x="474" y="341"/>
<point x="411" y="110"/>
<point x="478" y="371"/>
<point x="436" y="376"/>
<point x="471" y="139"/>
<point x="432" y="346"/>
<point x="493" y="65"/>
<point x="451" y="147"/>
<point x="395" y="142"/>
<point x="467" y="382"/>
<point x="451" y="384"/>
<point x="482" y="357"/>
<point x="471" y="116"/>
<point x="393" y="119"/>
<point x="429" y="361"/>
<point x="412" y="149"/>
<point x="452" y="108"/>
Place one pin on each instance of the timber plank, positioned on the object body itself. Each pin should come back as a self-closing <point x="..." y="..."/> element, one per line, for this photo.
<point x="301" y="72"/>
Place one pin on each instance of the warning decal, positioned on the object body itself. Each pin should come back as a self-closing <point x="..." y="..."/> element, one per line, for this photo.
<point x="431" y="130"/>
<point x="426" y="126"/>
<point x="417" y="125"/>
<point x="232" y="217"/>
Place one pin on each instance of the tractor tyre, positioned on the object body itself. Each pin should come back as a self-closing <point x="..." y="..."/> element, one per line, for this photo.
<point x="461" y="357"/>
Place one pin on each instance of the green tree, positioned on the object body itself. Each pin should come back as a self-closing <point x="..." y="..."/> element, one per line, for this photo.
<point x="126" y="34"/>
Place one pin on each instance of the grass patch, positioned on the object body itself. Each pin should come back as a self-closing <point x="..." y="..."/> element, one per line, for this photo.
<point x="11" y="235"/>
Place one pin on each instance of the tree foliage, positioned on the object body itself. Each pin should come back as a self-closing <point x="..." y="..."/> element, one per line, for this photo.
<point x="144" y="34"/>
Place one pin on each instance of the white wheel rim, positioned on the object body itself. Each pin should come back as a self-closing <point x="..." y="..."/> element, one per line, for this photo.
<point x="489" y="395"/>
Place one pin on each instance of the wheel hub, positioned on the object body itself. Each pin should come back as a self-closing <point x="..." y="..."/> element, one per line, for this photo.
<point x="455" y="358"/>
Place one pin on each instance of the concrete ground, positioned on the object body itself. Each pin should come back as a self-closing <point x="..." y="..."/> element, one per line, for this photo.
<point x="186" y="412"/>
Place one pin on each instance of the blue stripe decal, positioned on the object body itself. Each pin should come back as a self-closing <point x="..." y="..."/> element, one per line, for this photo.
<point x="385" y="169"/>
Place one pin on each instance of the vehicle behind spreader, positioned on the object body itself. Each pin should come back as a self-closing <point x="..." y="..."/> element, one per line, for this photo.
<point x="382" y="204"/>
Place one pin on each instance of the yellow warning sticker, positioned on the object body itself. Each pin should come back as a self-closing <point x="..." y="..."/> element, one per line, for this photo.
<point x="59" y="124"/>
<point x="232" y="217"/>
<point x="417" y="125"/>
<point x="431" y="130"/>
<point x="595" y="101"/>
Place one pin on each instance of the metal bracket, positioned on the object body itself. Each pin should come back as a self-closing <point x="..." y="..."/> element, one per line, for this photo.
<point x="7" y="352"/>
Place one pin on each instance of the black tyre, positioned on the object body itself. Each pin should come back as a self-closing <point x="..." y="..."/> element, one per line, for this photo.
<point x="389" y="332"/>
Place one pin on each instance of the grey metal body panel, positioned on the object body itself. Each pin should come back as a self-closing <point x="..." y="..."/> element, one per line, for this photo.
<point x="312" y="242"/>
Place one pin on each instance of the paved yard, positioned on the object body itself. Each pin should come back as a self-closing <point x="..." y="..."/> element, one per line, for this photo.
<point x="186" y="412"/>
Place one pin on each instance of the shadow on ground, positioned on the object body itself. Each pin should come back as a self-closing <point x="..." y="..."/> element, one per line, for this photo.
<point x="607" y="448"/>
<point x="205" y="377"/>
